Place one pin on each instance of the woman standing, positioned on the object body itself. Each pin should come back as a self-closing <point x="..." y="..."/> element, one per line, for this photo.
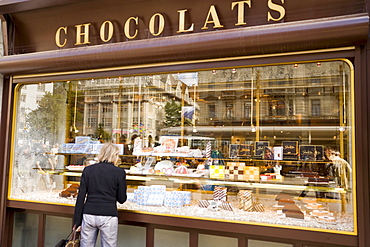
<point x="102" y="186"/>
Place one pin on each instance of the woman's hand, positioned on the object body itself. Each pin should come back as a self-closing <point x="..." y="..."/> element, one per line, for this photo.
<point x="78" y="228"/>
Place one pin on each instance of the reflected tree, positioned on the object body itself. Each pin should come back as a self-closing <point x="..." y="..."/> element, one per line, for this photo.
<point x="173" y="115"/>
<point x="46" y="120"/>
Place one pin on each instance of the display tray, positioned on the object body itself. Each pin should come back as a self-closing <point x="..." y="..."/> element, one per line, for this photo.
<point x="75" y="168"/>
<point x="190" y="175"/>
<point x="343" y="221"/>
<point x="185" y="155"/>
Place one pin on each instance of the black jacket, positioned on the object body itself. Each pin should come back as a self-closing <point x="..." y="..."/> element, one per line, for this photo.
<point x="103" y="185"/>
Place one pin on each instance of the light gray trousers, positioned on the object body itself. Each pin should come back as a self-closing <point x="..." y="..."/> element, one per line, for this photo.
<point x="92" y="224"/>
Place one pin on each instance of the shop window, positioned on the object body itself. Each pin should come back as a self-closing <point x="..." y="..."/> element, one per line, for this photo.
<point x="262" y="146"/>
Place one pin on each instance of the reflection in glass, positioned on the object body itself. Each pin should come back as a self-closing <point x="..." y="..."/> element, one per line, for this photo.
<point x="56" y="228"/>
<point x="216" y="241"/>
<point x="25" y="229"/>
<point x="171" y="238"/>
<point x="259" y="243"/>
<point x="268" y="144"/>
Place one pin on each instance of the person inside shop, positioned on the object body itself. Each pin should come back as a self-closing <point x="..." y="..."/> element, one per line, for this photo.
<point x="53" y="154"/>
<point x="43" y="164"/>
<point x="268" y="154"/>
<point x="102" y="185"/>
<point x="25" y="160"/>
<point x="339" y="169"/>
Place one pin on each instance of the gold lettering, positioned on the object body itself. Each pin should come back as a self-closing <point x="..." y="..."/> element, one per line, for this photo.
<point x="182" y="22"/>
<point x="57" y="37"/>
<point x="276" y="7"/>
<point x="160" y="24"/>
<point x="110" y="31"/>
<point x="215" y="20"/>
<point x="127" y="27"/>
<point x="240" y="7"/>
<point x="85" y="34"/>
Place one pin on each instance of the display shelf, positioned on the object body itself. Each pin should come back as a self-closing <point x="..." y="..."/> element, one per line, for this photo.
<point x="282" y="184"/>
<point x="246" y="184"/>
<point x="189" y="156"/>
<point x="181" y="155"/>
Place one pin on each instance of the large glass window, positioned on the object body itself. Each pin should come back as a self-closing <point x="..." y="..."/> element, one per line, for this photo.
<point x="266" y="144"/>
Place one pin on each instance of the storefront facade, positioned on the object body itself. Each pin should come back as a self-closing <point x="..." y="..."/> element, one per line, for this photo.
<point x="240" y="123"/>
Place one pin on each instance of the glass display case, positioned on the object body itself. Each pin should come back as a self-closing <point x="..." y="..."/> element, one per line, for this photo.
<point x="264" y="145"/>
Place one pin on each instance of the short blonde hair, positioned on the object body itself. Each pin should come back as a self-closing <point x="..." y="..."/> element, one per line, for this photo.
<point x="108" y="153"/>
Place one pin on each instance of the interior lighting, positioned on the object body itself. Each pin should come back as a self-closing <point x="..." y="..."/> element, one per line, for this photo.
<point x="295" y="65"/>
<point x="233" y="71"/>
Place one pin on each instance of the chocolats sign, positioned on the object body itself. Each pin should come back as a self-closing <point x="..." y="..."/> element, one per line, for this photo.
<point x="156" y="24"/>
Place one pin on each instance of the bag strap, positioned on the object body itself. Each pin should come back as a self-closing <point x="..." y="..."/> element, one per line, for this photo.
<point x="69" y="235"/>
<point x="74" y="235"/>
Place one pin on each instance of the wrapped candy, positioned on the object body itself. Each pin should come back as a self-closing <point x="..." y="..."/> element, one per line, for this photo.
<point x="181" y="170"/>
<point x="258" y="207"/>
<point x="227" y="206"/>
<point x="245" y="200"/>
<point x="203" y="203"/>
<point x="220" y="193"/>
